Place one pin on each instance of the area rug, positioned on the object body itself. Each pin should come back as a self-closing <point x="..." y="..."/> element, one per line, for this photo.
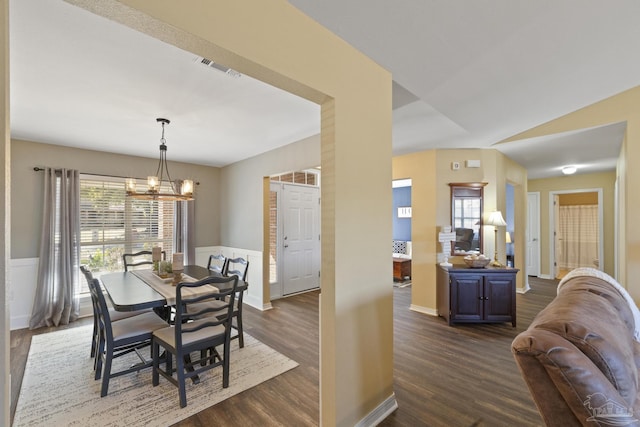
<point x="58" y="386"/>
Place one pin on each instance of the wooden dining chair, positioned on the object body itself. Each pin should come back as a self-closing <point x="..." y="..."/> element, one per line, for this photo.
<point x="239" y="267"/>
<point x="113" y="314"/>
<point x="139" y="258"/>
<point x="117" y="338"/>
<point x="196" y="332"/>
<point x="217" y="263"/>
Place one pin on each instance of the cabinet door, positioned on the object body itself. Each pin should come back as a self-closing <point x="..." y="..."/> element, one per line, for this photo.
<point x="499" y="303"/>
<point x="466" y="298"/>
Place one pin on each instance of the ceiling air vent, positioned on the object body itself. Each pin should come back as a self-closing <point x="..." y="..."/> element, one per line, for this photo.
<point x="209" y="63"/>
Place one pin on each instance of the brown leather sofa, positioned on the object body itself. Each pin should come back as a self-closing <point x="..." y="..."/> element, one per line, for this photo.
<point x="580" y="359"/>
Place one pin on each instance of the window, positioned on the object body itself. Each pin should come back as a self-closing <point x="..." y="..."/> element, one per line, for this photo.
<point x="273" y="237"/>
<point x="112" y="224"/>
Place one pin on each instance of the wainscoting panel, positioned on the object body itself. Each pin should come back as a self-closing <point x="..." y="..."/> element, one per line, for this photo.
<point x="254" y="294"/>
<point x="24" y="275"/>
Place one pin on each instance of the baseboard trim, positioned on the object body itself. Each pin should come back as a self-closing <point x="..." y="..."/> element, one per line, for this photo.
<point x="423" y="310"/>
<point x="381" y="412"/>
<point x="255" y="303"/>
<point x="20" y="322"/>
<point x="524" y="289"/>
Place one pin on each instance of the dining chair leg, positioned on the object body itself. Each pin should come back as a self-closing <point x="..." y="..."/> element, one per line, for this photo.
<point x="189" y="367"/>
<point x="240" y="333"/>
<point x="107" y="372"/>
<point x="204" y="356"/>
<point x="98" y="342"/>
<point x="168" y="366"/>
<point x="94" y="338"/>
<point x="155" y="356"/>
<point x="98" y="360"/>
<point x="181" y="381"/>
<point x="225" y="363"/>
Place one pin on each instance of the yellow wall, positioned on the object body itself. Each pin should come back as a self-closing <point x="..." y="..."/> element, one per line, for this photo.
<point x="5" y="214"/>
<point x="431" y="173"/>
<point x="624" y="107"/>
<point x="606" y="181"/>
<point x="575" y="199"/>
<point x="274" y="42"/>
<point x="497" y="171"/>
<point x="421" y="168"/>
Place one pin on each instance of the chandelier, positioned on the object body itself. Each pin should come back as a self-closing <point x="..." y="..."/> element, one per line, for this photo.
<point x="155" y="186"/>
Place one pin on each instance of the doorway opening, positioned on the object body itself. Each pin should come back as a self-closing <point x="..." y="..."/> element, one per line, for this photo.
<point x="510" y="219"/>
<point x="401" y="234"/>
<point x="576" y="229"/>
<point x="294" y="233"/>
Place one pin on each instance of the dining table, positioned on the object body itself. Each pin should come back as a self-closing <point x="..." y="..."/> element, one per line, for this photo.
<point x="141" y="289"/>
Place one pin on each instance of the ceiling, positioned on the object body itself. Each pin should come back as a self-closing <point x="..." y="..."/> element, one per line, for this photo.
<point x="467" y="74"/>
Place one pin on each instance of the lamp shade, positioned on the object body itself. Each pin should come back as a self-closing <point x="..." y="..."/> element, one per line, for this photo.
<point x="496" y="219"/>
<point x="508" y="237"/>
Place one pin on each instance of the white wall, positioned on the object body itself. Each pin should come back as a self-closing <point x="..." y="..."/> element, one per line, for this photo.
<point x="241" y="190"/>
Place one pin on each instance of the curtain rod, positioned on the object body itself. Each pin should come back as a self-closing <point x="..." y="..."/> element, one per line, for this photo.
<point x="39" y="169"/>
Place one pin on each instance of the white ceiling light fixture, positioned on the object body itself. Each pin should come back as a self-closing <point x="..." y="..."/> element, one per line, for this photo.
<point x="569" y="170"/>
<point x="154" y="183"/>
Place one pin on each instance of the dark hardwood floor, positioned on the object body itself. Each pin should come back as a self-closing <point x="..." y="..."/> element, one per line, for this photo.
<point x="444" y="375"/>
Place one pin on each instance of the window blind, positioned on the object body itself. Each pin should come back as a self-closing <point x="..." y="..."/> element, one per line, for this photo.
<point x="112" y="224"/>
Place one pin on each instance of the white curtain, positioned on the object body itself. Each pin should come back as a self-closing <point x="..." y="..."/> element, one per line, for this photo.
<point x="578" y="236"/>
<point x="56" y="300"/>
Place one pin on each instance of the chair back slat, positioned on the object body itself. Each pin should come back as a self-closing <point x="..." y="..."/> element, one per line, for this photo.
<point x="139" y="258"/>
<point x="238" y="266"/>
<point x="217" y="263"/>
<point x="88" y="275"/>
<point x="191" y="321"/>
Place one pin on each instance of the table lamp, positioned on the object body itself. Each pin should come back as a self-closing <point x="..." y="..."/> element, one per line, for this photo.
<point x="496" y="219"/>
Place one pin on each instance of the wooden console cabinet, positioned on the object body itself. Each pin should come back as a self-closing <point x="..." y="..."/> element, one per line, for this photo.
<point x="401" y="268"/>
<point x="476" y="295"/>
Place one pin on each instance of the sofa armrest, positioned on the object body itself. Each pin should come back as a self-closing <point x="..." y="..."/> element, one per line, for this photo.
<point x="567" y="387"/>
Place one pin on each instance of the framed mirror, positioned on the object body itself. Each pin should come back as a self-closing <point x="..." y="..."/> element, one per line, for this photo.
<point x="466" y="216"/>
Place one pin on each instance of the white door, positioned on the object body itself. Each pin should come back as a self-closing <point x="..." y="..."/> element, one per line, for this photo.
<point x="301" y="238"/>
<point x="533" y="234"/>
